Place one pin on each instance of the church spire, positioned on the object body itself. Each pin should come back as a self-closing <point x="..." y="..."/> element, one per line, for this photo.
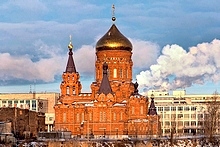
<point x="152" y="108"/>
<point x="70" y="67"/>
<point x="105" y="85"/>
<point x="113" y="13"/>
<point x="136" y="88"/>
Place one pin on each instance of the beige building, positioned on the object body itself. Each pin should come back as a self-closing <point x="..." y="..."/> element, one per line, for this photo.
<point x="182" y="112"/>
<point x="39" y="102"/>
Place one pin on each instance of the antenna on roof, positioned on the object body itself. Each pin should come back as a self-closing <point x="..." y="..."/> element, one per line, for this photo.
<point x="30" y="89"/>
<point x="34" y="91"/>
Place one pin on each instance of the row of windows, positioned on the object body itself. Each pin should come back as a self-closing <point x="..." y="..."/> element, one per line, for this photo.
<point x="179" y="108"/>
<point x="80" y="117"/>
<point x="180" y="116"/>
<point x="68" y="90"/>
<point x="181" y="123"/>
<point x="141" y="110"/>
<point x="30" y="104"/>
<point x="114" y="73"/>
<point x="184" y="123"/>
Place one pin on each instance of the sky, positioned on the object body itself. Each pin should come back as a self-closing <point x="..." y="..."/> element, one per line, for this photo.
<point x="176" y="44"/>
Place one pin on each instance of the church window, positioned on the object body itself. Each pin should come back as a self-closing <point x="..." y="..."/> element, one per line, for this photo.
<point x="115" y="73"/>
<point x="64" y="117"/>
<point x="104" y="116"/>
<point x="132" y="110"/>
<point x="67" y="90"/>
<point x="127" y="73"/>
<point x="121" y="116"/>
<point x="100" y="116"/>
<point x="90" y="116"/>
<point x="74" y="90"/>
<point x="77" y="117"/>
<point x="141" y="110"/>
<point x="82" y="117"/>
<point x="114" y="116"/>
<point x="121" y="73"/>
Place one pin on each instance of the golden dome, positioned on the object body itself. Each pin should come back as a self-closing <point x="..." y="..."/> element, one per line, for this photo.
<point x="113" y="40"/>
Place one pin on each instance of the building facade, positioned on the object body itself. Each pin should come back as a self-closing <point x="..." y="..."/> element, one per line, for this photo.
<point x="23" y="121"/>
<point x="185" y="113"/>
<point x="38" y="102"/>
<point x="114" y="108"/>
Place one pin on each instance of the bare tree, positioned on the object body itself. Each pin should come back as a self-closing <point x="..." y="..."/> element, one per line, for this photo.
<point x="211" y="118"/>
<point x="173" y="128"/>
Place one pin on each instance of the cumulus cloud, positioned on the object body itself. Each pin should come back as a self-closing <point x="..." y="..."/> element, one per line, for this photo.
<point x="177" y="68"/>
<point x="85" y="59"/>
<point x="50" y="61"/>
<point x="145" y="53"/>
<point x="23" y="68"/>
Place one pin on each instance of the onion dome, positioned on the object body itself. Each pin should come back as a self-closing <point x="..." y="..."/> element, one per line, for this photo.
<point x="113" y="40"/>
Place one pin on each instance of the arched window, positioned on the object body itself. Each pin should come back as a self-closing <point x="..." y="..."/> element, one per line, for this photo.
<point x="104" y="116"/>
<point x="90" y="116"/>
<point x="77" y="117"/>
<point x="115" y="73"/>
<point x="100" y="116"/>
<point x="74" y="90"/>
<point x="121" y="73"/>
<point x="114" y="116"/>
<point x="132" y="110"/>
<point x="141" y="110"/>
<point x="121" y="116"/>
<point x="64" y="117"/>
<point x="67" y="90"/>
<point x="82" y="117"/>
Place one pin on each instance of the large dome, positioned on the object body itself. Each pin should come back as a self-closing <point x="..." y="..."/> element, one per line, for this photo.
<point x="113" y="40"/>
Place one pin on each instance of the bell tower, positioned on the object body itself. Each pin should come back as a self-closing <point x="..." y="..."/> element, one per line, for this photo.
<point x="115" y="50"/>
<point x="70" y="85"/>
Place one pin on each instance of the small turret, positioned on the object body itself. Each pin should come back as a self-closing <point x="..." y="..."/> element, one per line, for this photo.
<point x="105" y="87"/>
<point x="152" y="108"/>
<point x="70" y="67"/>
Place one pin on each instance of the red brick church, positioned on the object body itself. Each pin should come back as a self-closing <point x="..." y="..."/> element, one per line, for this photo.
<point x="114" y="108"/>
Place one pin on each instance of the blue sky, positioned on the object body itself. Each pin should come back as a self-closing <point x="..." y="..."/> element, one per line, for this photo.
<point x="176" y="44"/>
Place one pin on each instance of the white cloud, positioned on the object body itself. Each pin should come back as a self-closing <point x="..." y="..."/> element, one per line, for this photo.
<point x="22" y="67"/>
<point x="177" y="68"/>
<point x="145" y="53"/>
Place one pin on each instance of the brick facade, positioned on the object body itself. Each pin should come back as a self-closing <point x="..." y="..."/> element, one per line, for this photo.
<point x="114" y="108"/>
<point x="23" y="120"/>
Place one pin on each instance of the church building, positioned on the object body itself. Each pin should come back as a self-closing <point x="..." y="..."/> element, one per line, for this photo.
<point x="114" y="108"/>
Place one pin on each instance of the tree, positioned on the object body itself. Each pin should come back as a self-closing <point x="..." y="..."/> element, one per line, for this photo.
<point x="211" y="118"/>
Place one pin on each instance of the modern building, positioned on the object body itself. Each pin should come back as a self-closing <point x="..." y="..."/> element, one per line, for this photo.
<point x="38" y="102"/>
<point x="184" y="113"/>
<point x="113" y="108"/>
